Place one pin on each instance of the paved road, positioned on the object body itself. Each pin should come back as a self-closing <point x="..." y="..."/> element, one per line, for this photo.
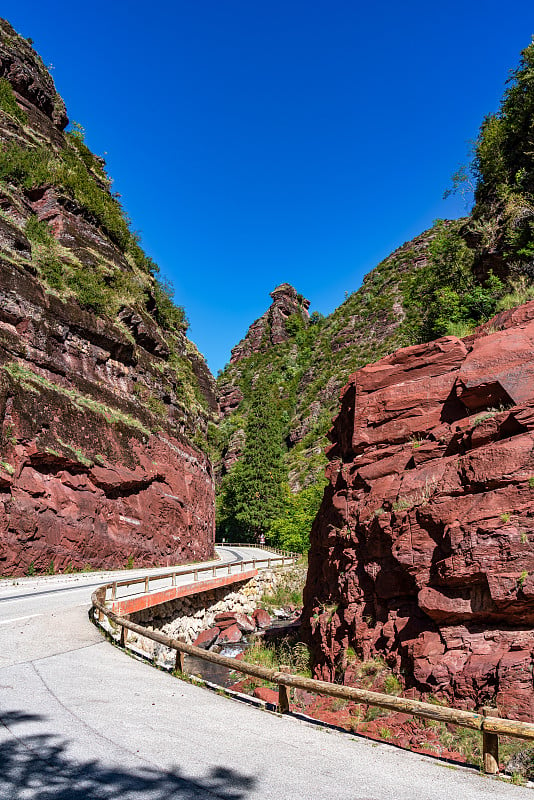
<point x="80" y="720"/>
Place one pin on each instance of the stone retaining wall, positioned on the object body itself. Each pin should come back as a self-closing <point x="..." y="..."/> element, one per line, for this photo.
<point x="185" y="617"/>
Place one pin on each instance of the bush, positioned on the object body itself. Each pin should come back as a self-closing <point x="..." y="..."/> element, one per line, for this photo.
<point x="169" y="316"/>
<point x="90" y="290"/>
<point x="9" y="104"/>
<point x="291" y="530"/>
<point x="445" y="296"/>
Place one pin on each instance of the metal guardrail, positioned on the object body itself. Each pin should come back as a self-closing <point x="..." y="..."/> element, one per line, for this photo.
<point x="281" y="559"/>
<point x="487" y="722"/>
<point x="259" y="547"/>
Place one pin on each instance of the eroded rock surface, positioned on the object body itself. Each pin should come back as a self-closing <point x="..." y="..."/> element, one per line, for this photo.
<point x="270" y="328"/>
<point x="102" y="410"/>
<point x="423" y="549"/>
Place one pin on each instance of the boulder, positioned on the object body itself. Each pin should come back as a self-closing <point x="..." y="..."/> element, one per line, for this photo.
<point x="262" y="618"/>
<point x="245" y="623"/>
<point x="206" y="638"/>
<point x="230" y="635"/>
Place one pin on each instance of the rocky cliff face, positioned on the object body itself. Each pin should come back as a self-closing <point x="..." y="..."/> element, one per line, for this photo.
<point x="101" y="393"/>
<point x="271" y="329"/>
<point x="268" y="342"/>
<point x="423" y="549"/>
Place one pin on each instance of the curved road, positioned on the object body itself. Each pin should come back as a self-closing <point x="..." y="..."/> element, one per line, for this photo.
<point x="80" y="720"/>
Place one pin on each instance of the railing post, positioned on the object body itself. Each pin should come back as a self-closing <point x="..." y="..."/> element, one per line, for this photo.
<point x="490" y="744"/>
<point x="214" y="571"/>
<point x="179" y="664"/>
<point x="229" y="569"/>
<point x="268" y="563"/>
<point x="242" y="566"/>
<point x="283" y="693"/>
<point x="195" y="575"/>
<point x="124" y="636"/>
<point x="253" y="563"/>
<point x="114" y="591"/>
<point x="174" y="578"/>
<point x="146" y="585"/>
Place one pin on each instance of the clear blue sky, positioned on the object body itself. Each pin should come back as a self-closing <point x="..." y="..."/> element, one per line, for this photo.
<point x="258" y="142"/>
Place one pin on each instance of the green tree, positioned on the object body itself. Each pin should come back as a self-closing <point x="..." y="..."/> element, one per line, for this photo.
<point x="251" y="496"/>
<point x="446" y="294"/>
<point x="504" y="169"/>
<point x="291" y="530"/>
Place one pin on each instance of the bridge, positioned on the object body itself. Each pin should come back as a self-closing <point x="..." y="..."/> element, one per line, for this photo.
<point x="81" y="719"/>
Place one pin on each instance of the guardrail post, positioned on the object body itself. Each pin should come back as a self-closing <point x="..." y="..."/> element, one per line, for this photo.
<point x="114" y="591"/>
<point x="268" y="563"/>
<point x="179" y="664"/>
<point x="146" y="585"/>
<point x="242" y="566"/>
<point x="214" y="571"/>
<point x="490" y="744"/>
<point x="174" y="578"/>
<point x="253" y="563"/>
<point x="124" y="636"/>
<point x="195" y="575"/>
<point x="283" y="693"/>
<point x="229" y="569"/>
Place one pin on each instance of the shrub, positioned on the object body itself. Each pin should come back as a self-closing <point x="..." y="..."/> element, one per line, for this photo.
<point x="9" y="104"/>
<point x="168" y="315"/>
<point x="90" y="290"/>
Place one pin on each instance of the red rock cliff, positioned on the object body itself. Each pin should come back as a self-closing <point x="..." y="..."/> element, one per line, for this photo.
<point x="100" y="396"/>
<point x="423" y="549"/>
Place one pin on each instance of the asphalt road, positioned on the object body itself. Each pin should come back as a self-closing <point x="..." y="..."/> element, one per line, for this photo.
<point x="80" y="720"/>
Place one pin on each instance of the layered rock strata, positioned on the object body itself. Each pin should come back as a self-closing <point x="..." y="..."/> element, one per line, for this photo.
<point x="423" y="549"/>
<point x="103" y="400"/>
<point x="270" y="329"/>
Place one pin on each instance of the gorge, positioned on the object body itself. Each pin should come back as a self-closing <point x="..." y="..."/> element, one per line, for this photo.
<point x="115" y="433"/>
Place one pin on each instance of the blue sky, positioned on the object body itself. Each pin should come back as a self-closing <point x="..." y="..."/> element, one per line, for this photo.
<point x="260" y="142"/>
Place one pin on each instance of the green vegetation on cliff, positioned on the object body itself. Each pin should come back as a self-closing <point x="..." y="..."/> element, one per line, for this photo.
<point x="79" y="244"/>
<point x="503" y="168"/>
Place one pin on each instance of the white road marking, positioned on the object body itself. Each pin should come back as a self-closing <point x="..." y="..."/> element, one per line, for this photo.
<point x="18" y="619"/>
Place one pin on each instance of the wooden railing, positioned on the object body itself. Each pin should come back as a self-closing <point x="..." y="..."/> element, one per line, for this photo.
<point x="487" y="722"/>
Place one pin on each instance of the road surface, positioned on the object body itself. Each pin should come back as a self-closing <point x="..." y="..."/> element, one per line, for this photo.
<point x="81" y="720"/>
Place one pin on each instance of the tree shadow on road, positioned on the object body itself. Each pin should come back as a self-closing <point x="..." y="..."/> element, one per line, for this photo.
<point x="37" y="766"/>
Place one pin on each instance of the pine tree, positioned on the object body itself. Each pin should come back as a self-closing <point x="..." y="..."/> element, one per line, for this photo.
<point x="253" y="494"/>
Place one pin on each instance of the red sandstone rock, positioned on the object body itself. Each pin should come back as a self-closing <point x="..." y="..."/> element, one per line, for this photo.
<point x="266" y="694"/>
<point x="206" y="638"/>
<point x="244" y="623"/>
<point x="225" y="620"/>
<point x="97" y="461"/>
<point x="271" y="328"/>
<point x="230" y="635"/>
<point x="424" y="543"/>
<point x="262" y="618"/>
